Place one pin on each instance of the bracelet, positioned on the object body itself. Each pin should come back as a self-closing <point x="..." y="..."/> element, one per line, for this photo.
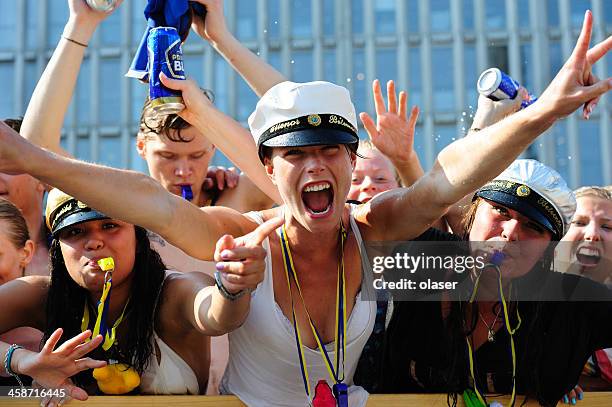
<point x="74" y="41"/>
<point x="7" y="363"/>
<point x="474" y="129"/>
<point x="223" y="290"/>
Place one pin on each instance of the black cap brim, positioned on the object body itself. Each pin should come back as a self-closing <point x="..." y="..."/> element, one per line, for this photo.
<point x="76" y="218"/>
<point x="522" y="206"/>
<point x="311" y="137"/>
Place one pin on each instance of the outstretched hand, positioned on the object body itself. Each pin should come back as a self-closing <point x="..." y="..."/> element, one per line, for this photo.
<point x="575" y="85"/>
<point x="82" y="13"/>
<point x="53" y="368"/>
<point x="393" y="133"/>
<point x="194" y="99"/>
<point x="213" y="26"/>
<point x="241" y="260"/>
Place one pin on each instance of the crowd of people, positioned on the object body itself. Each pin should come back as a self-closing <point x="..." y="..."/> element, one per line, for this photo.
<point x="259" y="284"/>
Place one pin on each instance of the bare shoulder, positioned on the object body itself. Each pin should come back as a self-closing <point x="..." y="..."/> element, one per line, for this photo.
<point x="22" y="302"/>
<point x="27" y="286"/>
<point x="245" y="197"/>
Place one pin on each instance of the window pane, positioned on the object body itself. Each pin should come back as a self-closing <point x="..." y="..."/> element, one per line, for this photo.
<point x="246" y="20"/>
<point x="384" y="15"/>
<point x="357" y="16"/>
<point x="139" y="93"/>
<point x="137" y="163"/>
<point x="111" y="79"/>
<point x="301" y="16"/>
<point x="558" y="132"/>
<point x="443" y="93"/>
<point x="608" y="12"/>
<point x="443" y="136"/>
<point x="274" y="59"/>
<point x="273" y="12"/>
<point x="329" y="13"/>
<point x="7" y="73"/>
<point x="246" y="101"/>
<point x="32" y="13"/>
<point x="556" y="59"/>
<point x="139" y="23"/>
<point x="440" y="15"/>
<point x="498" y="57"/>
<point x="578" y="8"/>
<point x="412" y="10"/>
<point x="468" y="14"/>
<point x="194" y="67"/>
<point x="110" y="151"/>
<point x="415" y="85"/>
<point x="523" y="13"/>
<point x="386" y="65"/>
<point x="359" y="87"/>
<point x="220" y="159"/>
<point x="31" y="77"/>
<point x="526" y="67"/>
<point x="8" y="18"/>
<point x="329" y="65"/>
<point x="419" y="143"/>
<point x="221" y="84"/>
<point x="495" y="14"/>
<point x="83" y="94"/>
<point x="553" y="13"/>
<point x="110" y="30"/>
<point x="590" y="153"/>
<point x="83" y="148"/>
<point x="57" y="17"/>
<point x="471" y="76"/>
<point x="301" y="66"/>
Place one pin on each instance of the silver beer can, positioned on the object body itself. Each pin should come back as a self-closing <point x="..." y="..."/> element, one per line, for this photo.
<point x="102" y="5"/>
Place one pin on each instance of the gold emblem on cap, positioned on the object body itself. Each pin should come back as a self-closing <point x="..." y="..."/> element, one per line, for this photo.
<point x="81" y="205"/>
<point x="523" y="190"/>
<point x="314" y="120"/>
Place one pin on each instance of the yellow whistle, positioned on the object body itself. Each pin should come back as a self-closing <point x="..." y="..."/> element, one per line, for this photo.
<point x="117" y="378"/>
<point x="106" y="264"/>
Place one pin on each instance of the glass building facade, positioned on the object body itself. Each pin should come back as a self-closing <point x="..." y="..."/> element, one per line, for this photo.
<point x="435" y="49"/>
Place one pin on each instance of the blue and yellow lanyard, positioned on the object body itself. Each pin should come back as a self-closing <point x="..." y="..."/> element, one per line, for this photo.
<point x="495" y="264"/>
<point x="340" y="344"/>
<point x="100" y="327"/>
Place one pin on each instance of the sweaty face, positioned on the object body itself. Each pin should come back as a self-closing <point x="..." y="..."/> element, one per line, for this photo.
<point x="85" y="243"/>
<point x="522" y="240"/>
<point x="313" y="182"/>
<point x="372" y="175"/>
<point x="23" y="191"/>
<point x="174" y="164"/>
<point x="11" y="257"/>
<point x="591" y="234"/>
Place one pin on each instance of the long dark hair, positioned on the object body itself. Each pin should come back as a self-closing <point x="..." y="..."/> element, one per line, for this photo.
<point x="463" y="318"/>
<point x="66" y="299"/>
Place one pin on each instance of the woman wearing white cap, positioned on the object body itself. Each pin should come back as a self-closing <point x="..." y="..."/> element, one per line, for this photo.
<point x="534" y="341"/>
<point x="306" y="137"/>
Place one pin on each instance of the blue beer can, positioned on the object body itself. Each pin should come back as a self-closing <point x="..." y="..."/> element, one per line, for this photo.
<point x="497" y="85"/>
<point x="165" y="55"/>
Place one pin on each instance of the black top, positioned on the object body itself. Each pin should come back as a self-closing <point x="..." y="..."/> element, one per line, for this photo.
<point x="422" y="352"/>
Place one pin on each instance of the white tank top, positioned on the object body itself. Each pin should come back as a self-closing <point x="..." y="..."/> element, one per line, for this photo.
<point x="263" y="367"/>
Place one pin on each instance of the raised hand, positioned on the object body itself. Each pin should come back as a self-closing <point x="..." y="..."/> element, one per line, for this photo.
<point x="53" y="368"/>
<point x="575" y="85"/>
<point x="241" y="260"/>
<point x="193" y="97"/>
<point x="83" y="20"/>
<point x="490" y="111"/>
<point x="393" y="133"/>
<point x="218" y="178"/>
<point x="213" y="26"/>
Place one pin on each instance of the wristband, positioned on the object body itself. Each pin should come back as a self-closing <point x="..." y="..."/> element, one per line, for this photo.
<point x="7" y="363"/>
<point x="223" y="290"/>
<point x="74" y="41"/>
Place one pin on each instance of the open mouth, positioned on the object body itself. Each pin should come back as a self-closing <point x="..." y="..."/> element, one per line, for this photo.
<point x="318" y="197"/>
<point x="588" y="256"/>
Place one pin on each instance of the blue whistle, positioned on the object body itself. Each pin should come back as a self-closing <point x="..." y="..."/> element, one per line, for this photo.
<point x="497" y="258"/>
<point x="186" y="192"/>
<point x="341" y="394"/>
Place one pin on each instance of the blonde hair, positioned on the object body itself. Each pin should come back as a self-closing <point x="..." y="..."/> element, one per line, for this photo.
<point x="368" y="145"/>
<point x="596" y="191"/>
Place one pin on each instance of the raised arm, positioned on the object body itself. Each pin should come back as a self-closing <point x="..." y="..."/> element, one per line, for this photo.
<point x="393" y="132"/>
<point x="44" y="116"/>
<point x="260" y="75"/>
<point x="126" y="195"/>
<point x="468" y="163"/>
